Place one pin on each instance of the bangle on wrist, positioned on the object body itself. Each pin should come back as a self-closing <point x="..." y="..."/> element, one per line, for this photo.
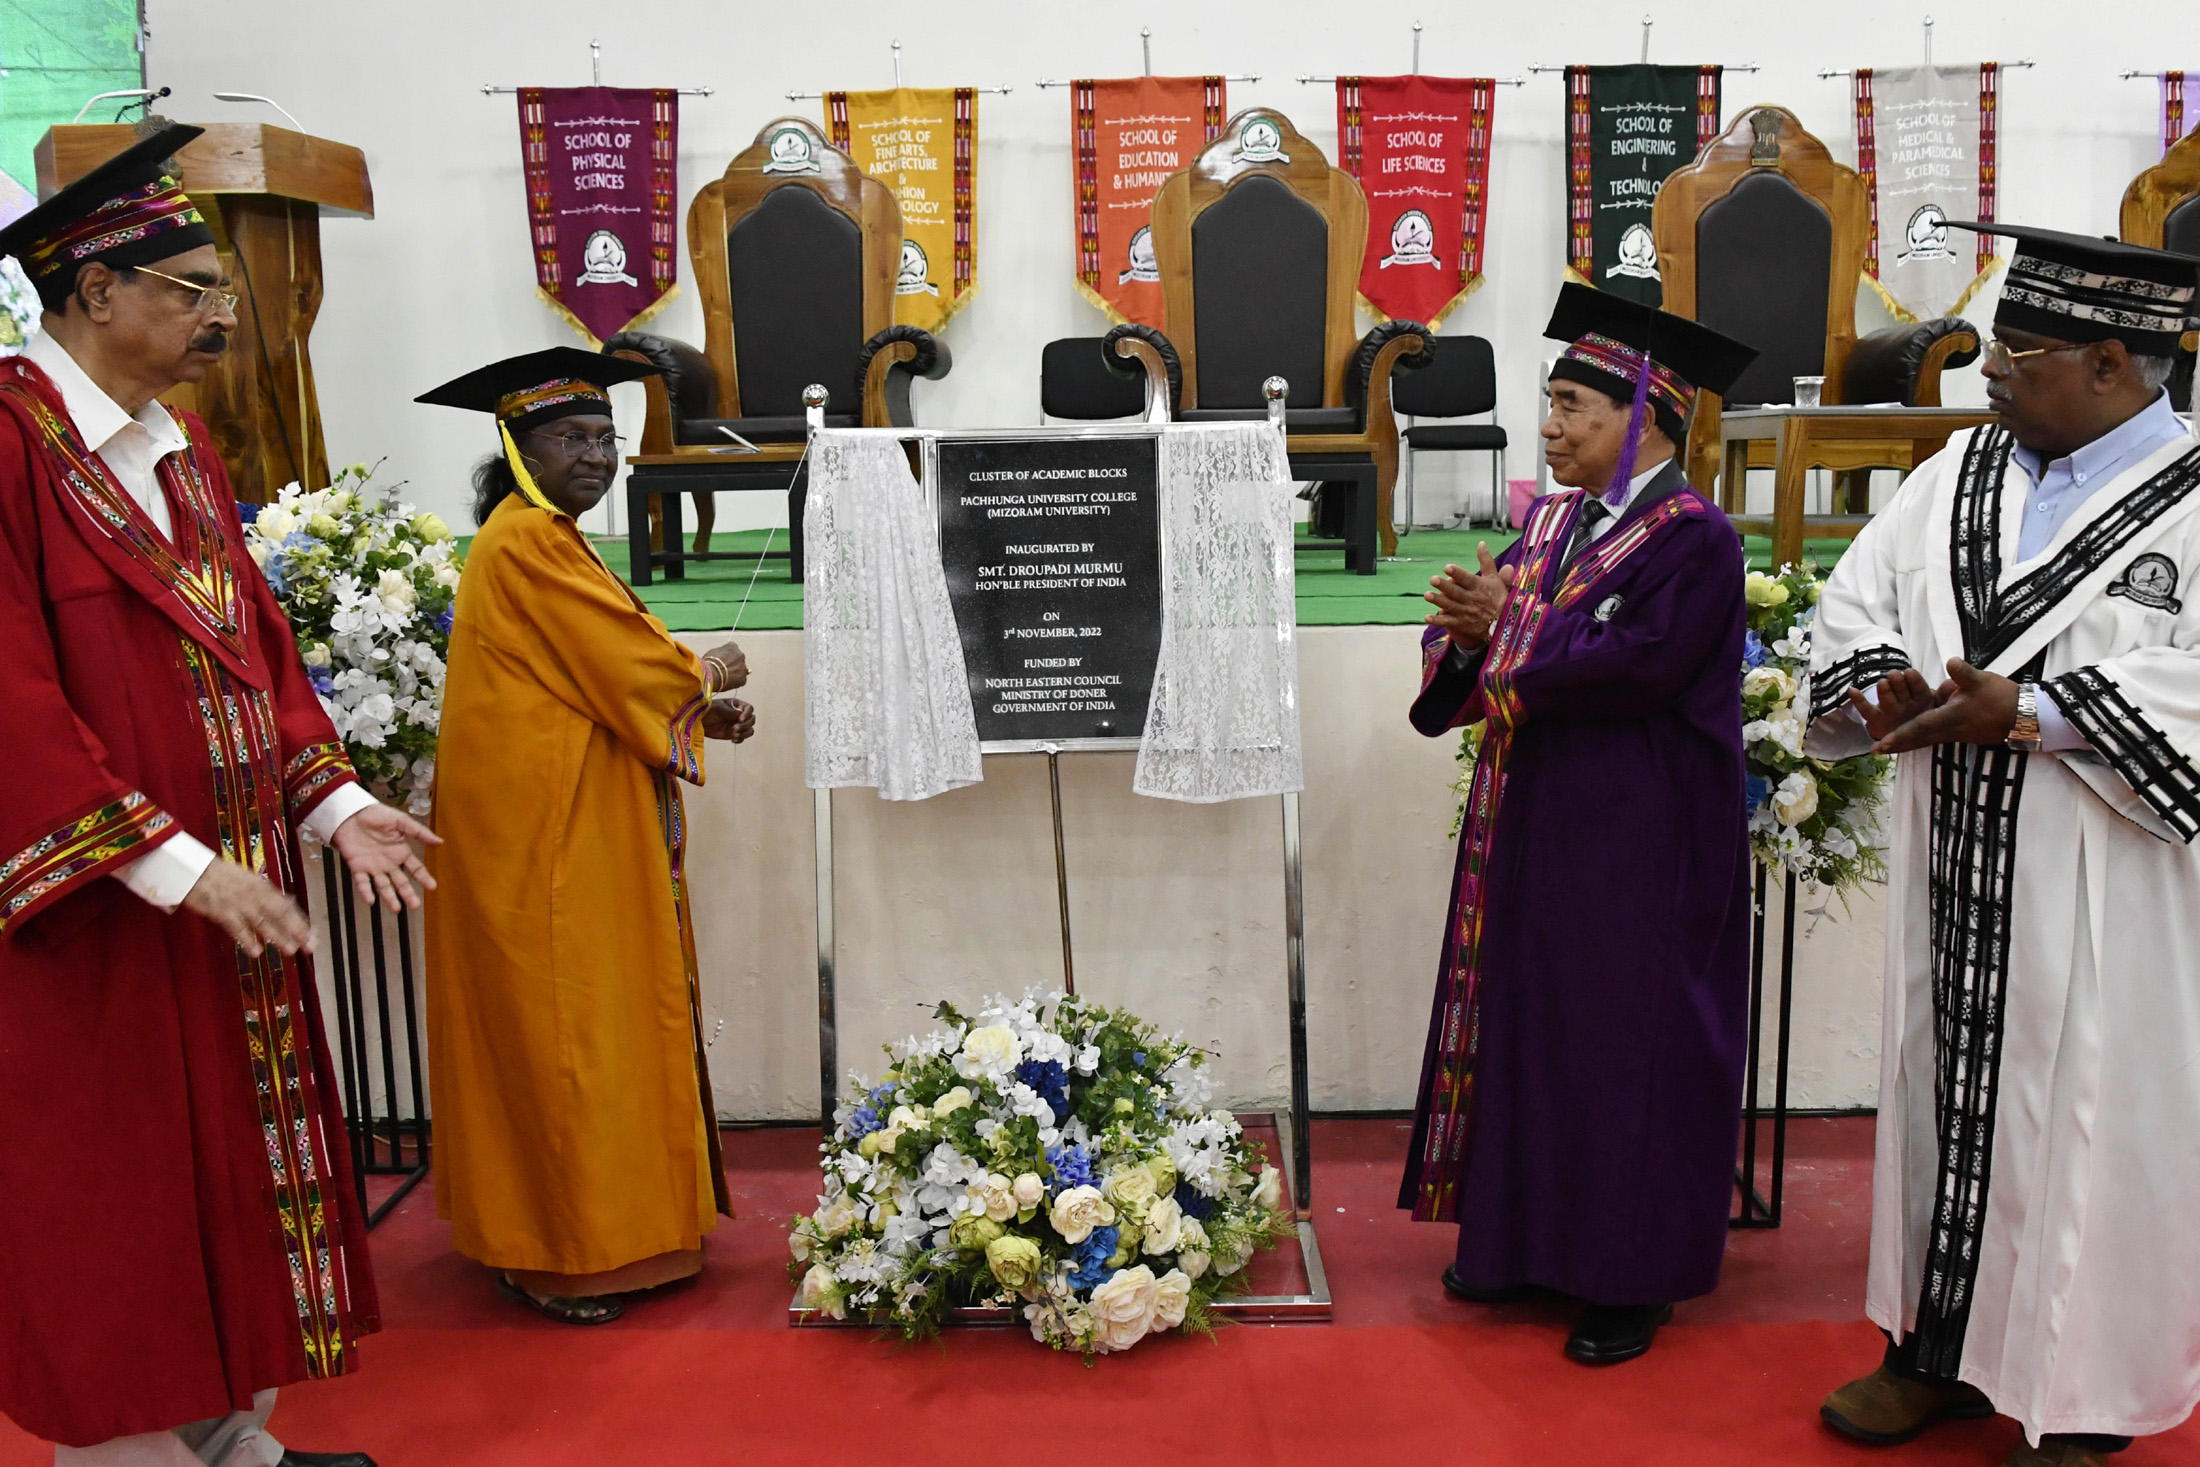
<point x="2024" y="734"/>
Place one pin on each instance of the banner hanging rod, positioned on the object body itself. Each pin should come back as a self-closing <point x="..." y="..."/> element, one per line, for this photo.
<point x="595" y="73"/>
<point x="814" y="96"/>
<point x="1145" y="49"/>
<point x="2024" y="65"/>
<point x="2138" y="75"/>
<point x="1503" y="81"/>
<point x="1540" y="68"/>
<point x="1644" y="59"/>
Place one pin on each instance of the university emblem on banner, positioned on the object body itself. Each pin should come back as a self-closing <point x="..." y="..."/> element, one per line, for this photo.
<point x="1638" y="254"/>
<point x="921" y="142"/>
<point x="600" y="164"/>
<point x="915" y="275"/>
<point x="1420" y="148"/>
<point x="1126" y="138"/>
<point x="1925" y="149"/>
<point x="1259" y="141"/>
<point x="791" y="152"/>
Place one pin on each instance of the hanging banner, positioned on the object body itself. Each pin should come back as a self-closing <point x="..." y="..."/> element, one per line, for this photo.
<point x="1925" y="148"/>
<point x="921" y="142"/>
<point x="1420" y="148"/>
<point x="1627" y="129"/>
<point x="1127" y="137"/>
<point x="601" y="177"/>
<point x="2173" y="108"/>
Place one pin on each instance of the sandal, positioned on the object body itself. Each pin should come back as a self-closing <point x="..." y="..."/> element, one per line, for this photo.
<point x="563" y="1310"/>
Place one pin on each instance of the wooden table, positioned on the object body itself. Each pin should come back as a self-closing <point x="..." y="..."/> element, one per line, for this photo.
<point x="1796" y="439"/>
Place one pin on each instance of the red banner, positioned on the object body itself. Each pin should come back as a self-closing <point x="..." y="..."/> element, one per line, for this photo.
<point x="1127" y="137"/>
<point x="1420" y="147"/>
<point x="601" y="180"/>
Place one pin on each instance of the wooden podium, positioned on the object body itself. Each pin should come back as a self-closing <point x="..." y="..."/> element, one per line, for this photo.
<point x="262" y="190"/>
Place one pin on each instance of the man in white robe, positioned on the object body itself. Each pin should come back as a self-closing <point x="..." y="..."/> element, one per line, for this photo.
<point x="2036" y="1207"/>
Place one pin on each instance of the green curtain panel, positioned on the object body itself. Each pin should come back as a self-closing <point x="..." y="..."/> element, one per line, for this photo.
<point x="53" y="55"/>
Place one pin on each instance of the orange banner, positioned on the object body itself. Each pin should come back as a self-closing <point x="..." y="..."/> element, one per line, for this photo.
<point x="1127" y="137"/>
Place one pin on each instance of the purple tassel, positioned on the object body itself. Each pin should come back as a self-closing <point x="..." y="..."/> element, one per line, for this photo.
<point x="1615" y="494"/>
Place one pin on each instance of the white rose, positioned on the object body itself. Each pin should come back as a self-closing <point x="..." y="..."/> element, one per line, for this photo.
<point x="1123" y="1308"/>
<point x="1164" y="1226"/>
<point x="836" y="1216"/>
<point x="952" y="1101"/>
<point x="1029" y="1190"/>
<point x="991" y="1047"/>
<point x="1172" y="1292"/>
<point x="821" y="1292"/>
<point x="275" y="522"/>
<point x="1194" y="1264"/>
<point x="1773" y="680"/>
<point x="1796" y="800"/>
<point x="995" y="1197"/>
<point x="1078" y="1211"/>
<point x="1268" y="1192"/>
<point x="315" y="656"/>
<point x="446" y="574"/>
<point x="1129" y="1188"/>
<point x="394" y="589"/>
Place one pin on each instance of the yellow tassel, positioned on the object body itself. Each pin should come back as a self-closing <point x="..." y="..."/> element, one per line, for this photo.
<point x="527" y="489"/>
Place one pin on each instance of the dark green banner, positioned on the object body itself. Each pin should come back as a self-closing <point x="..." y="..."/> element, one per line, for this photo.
<point x="1627" y="128"/>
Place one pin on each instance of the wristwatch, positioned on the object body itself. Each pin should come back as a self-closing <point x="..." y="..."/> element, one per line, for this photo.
<point x="2024" y="734"/>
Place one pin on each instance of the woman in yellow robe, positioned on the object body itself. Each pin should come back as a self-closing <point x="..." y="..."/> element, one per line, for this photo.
<point x="575" y="1139"/>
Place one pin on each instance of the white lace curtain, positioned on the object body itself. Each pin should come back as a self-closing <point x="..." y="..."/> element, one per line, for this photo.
<point x="1224" y="720"/>
<point x="886" y="699"/>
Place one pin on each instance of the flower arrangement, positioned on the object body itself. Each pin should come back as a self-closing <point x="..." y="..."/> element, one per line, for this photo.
<point x="368" y="584"/>
<point x="19" y="308"/>
<point x="1053" y="1154"/>
<point x="1818" y="818"/>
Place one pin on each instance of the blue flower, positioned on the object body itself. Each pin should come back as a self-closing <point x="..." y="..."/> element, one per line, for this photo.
<point x="1191" y="1203"/>
<point x="297" y="540"/>
<point x="879" y="1095"/>
<point x="324" y="682"/>
<point x="247" y="512"/>
<point x="1759" y="790"/>
<point x="1139" y="1057"/>
<point x="863" y="1121"/>
<point x="277" y="581"/>
<point x="1091" y="1258"/>
<point x="1072" y="1168"/>
<point x="1050" y="1080"/>
<point x="442" y="621"/>
<point x="1753" y="650"/>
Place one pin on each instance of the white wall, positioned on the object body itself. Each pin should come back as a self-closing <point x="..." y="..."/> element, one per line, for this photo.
<point x="441" y="280"/>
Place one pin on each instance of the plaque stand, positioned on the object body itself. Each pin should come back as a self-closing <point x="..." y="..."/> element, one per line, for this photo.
<point x="1293" y="1132"/>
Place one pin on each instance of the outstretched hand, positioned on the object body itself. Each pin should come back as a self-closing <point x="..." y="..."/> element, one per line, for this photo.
<point x="377" y="844"/>
<point x="1972" y="707"/>
<point x="1468" y="604"/>
<point x="729" y="719"/>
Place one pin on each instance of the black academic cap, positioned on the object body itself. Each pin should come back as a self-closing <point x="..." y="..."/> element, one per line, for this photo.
<point x="1688" y="349"/>
<point x="2081" y="287"/>
<point x="125" y="211"/>
<point x="534" y="388"/>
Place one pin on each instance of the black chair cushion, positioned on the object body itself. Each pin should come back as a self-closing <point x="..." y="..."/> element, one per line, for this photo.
<point x="796" y="269"/>
<point x="1462" y="438"/>
<point x="704" y="431"/>
<point x="1764" y="262"/>
<point x="1295" y="420"/>
<point x="1260" y="283"/>
<point x="691" y="382"/>
<point x="1459" y="381"/>
<point x="1884" y="366"/>
<point x="1074" y="382"/>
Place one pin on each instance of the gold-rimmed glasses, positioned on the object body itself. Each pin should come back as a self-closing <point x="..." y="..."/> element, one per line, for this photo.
<point x="2001" y="358"/>
<point x="208" y="296"/>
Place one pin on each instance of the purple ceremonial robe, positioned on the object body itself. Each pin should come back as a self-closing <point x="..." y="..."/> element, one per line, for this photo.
<point x="1606" y="918"/>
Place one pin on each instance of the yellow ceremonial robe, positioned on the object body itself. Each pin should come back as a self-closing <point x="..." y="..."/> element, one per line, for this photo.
<point x="573" y="1124"/>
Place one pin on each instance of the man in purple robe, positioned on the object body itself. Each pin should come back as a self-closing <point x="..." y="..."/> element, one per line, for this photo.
<point x="1580" y="1095"/>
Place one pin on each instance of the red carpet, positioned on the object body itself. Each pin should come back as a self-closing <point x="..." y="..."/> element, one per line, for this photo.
<point x="710" y="1373"/>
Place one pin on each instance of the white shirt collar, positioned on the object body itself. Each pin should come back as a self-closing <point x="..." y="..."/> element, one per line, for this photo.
<point x="98" y="417"/>
<point x="1636" y="485"/>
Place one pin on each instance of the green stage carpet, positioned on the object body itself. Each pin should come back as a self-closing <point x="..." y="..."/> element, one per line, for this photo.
<point x="742" y="596"/>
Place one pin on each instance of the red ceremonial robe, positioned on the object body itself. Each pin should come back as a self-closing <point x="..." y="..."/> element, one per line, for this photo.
<point x="177" y="1223"/>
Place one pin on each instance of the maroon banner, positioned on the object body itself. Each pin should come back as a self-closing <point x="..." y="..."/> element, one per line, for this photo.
<point x="1420" y="148"/>
<point x="601" y="179"/>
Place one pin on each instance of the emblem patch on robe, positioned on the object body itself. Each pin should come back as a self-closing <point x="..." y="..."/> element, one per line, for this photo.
<point x="1608" y="607"/>
<point x="2150" y="581"/>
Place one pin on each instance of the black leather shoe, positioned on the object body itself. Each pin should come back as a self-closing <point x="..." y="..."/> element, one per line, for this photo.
<point x="1610" y="1333"/>
<point x="1459" y="1288"/>
<point x="325" y="1459"/>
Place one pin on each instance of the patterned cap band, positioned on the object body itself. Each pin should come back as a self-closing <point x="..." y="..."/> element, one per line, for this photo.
<point x="1617" y="359"/>
<point x="146" y="212"/>
<point x="2071" y="302"/>
<point x="555" y="393"/>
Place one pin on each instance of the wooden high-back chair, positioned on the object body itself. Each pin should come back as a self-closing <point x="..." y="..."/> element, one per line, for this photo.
<point x="1259" y="244"/>
<point x="795" y="251"/>
<point x="1762" y="238"/>
<point x="2162" y="211"/>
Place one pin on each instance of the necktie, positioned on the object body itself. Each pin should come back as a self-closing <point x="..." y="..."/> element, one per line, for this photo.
<point x="1594" y="513"/>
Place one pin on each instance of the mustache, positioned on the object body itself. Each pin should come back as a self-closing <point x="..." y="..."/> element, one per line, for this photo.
<point x="213" y="343"/>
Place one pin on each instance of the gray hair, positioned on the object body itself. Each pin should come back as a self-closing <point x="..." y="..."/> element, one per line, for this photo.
<point x="2153" y="371"/>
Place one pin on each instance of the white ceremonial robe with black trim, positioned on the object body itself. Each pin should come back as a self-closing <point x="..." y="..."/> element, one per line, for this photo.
<point x="2036" y="1202"/>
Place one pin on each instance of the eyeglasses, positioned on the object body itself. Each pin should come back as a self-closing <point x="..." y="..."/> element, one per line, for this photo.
<point x="207" y="297"/>
<point x="2001" y="358"/>
<point x="576" y="443"/>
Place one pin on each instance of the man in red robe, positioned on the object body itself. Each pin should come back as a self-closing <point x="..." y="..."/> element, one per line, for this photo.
<point x="178" y="1230"/>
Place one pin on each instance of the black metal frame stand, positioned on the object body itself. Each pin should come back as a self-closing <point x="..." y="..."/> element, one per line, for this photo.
<point x="1755" y="1210"/>
<point x="671" y="481"/>
<point x="383" y="1143"/>
<point x="1362" y="545"/>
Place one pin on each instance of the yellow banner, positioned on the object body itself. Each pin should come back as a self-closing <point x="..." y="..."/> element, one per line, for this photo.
<point x="922" y="142"/>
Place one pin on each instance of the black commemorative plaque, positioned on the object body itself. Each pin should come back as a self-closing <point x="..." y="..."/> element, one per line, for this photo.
<point x="1052" y="548"/>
